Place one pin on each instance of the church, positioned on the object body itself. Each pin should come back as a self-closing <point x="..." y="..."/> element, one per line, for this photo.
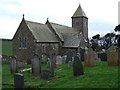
<point x="43" y="39"/>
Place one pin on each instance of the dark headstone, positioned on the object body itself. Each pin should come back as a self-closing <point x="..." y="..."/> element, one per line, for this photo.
<point x="69" y="57"/>
<point x="18" y="80"/>
<point x="77" y="67"/>
<point x="102" y="56"/>
<point x="45" y="74"/>
<point x="82" y="51"/>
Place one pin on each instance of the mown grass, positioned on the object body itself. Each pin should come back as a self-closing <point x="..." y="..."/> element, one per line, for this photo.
<point x="99" y="76"/>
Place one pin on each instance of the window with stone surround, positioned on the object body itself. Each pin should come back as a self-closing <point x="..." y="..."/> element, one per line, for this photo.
<point x="22" y="41"/>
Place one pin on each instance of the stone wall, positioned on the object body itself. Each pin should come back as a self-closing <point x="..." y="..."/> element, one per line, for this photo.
<point x="23" y="54"/>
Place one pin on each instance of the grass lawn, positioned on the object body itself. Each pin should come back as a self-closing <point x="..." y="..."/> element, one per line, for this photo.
<point x="99" y="76"/>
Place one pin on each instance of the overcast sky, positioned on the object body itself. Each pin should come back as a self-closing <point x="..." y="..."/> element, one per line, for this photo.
<point x="102" y="14"/>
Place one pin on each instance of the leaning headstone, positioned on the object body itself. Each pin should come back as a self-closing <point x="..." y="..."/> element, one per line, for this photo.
<point x="59" y="60"/>
<point x="112" y="55"/>
<point x="18" y="81"/>
<point x="77" y="67"/>
<point x="70" y="64"/>
<point x="69" y="56"/>
<point x="13" y="65"/>
<point x="89" y="57"/>
<point x="36" y="65"/>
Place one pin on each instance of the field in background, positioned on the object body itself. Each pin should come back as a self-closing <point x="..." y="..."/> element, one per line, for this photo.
<point x="6" y="47"/>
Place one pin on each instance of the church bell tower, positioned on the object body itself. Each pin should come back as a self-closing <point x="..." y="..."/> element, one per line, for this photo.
<point x="80" y="21"/>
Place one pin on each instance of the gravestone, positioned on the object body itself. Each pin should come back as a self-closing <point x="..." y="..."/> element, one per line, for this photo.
<point x="59" y="60"/>
<point x="82" y="51"/>
<point x="102" y="56"/>
<point x="18" y="81"/>
<point x="20" y="64"/>
<point x="89" y="57"/>
<point x="70" y="64"/>
<point x="36" y="65"/>
<point x="112" y="55"/>
<point x="69" y="56"/>
<point x="77" y="67"/>
<point x="45" y="74"/>
<point x="44" y="59"/>
<point x="119" y="56"/>
<point x="96" y="56"/>
<point x="64" y="58"/>
<point x="13" y="65"/>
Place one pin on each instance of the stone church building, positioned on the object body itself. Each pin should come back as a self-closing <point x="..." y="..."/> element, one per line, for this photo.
<point x="42" y="39"/>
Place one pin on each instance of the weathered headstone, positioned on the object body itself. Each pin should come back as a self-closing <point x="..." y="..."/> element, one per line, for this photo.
<point x="77" y="67"/>
<point x="44" y="59"/>
<point x="20" y="64"/>
<point x="36" y="65"/>
<point x="69" y="56"/>
<point x="13" y="65"/>
<point x="18" y="81"/>
<point x="64" y="58"/>
<point x="59" y="60"/>
<point x="119" y="56"/>
<point x="89" y="57"/>
<point x="96" y="56"/>
<point x="112" y="55"/>
<point x="70" y="64"/>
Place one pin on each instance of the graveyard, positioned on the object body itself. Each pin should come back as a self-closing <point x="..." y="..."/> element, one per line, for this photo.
<point x="96" y="74"/>
<point x="99" y="76"/>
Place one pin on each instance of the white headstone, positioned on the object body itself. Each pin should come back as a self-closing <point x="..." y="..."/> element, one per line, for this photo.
<point x="59" y="60"/>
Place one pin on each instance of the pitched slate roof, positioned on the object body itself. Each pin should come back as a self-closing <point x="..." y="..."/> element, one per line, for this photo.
<point x="72" y="40"/>
<point x="41" y="32"/>
<point x="79" y="12"/>
<point x="61" y="30"/>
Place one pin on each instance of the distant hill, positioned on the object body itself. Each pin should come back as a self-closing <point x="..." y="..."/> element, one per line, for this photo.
<point x="6" y="47"/>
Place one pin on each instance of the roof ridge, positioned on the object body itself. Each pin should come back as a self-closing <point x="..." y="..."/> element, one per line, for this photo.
<point x="61" y="25"/>
<point x="34" y="22"/>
